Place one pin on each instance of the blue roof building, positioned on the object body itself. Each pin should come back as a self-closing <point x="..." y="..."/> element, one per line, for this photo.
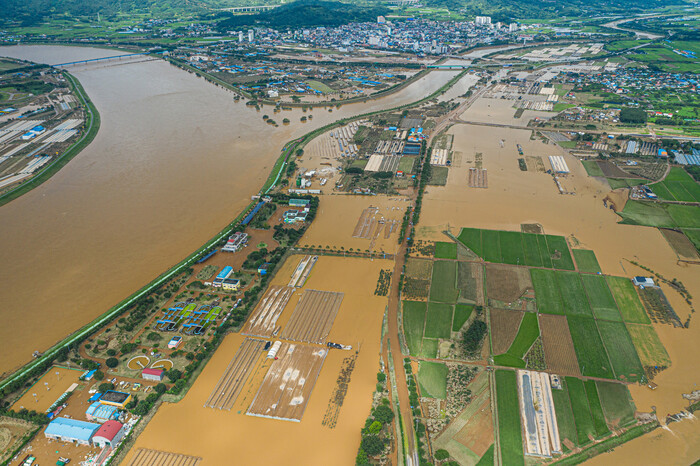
<point x="99" y="412"/>
<point x="71" y="430"/>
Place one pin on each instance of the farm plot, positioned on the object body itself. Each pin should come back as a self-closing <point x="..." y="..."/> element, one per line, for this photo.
<point x="419" y="268"/>
<point x="438" y="322"/>
<point x="650" y="350"/>
<point x="263" y="321"/>
<point x="442" y="286"/>
<point x="681" y="244"/>
<point x="617" y="403"/>
<point x="288" y="384"/>
<point x="586" y="261"/>
<point x="429" y="348"/>
<point x="528" y="332"/>
<point x="512" y="247"/>
<point x="601" y="300"/>
<point x="590" y="351"/>
<point x="506" y="283"/>
<point x="547" y="292"/>
<point x="565" y="416"/>
<point x="413" y="323"/>
<point x="585" y="430"/>
<point x="627" y="299"/>
<point x="461" y="315"/>
<point x="623" y="355"/>
<point x="445" y="250"/>
<point x="677" y="186"/>
<point x="148" y="457"/>
<point x="509" y="434"/>
<point x="229" y="386"/>
<point x="601" y="427"/>
<point x="491" y="244"/>
<point x="470" y="282"/>
<point x="471" y="238"/>
<point x="559" y="252"/>
<point x="417" y="283"/>
<point x="573" y="294"/>
<point x="535" y="255"/>
<point x="559" y="352"/>
<point x="504" y="328"/>
<point x="432" y="378"/>
<point x="313" y="316"/>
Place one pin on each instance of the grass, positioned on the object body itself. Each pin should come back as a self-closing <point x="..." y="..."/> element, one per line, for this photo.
<point x="509" y="435"/>
<point x="601" y="427"/>
<point x="661" y="215"/>
<point x="592" y="168"/>
<point x="694" y="237"/>
<point x="533" y="255"/>
<point x="590" y="351"/>
<point x="573" y="294"/>
<point x="438" y="176"/>
<point x="413" y="322"/>
<point x="487" y="459"/>
<point x="616" y="402"/>
<point x="471" y="238"/>
<point x="600" y="298"/>
<point x="581" y="409"/>
<point x="650" y="350"/>
<point x="617" y="183"/>
<point x="319" y="86"/>
<point x="528" y="332"/>
<point x="565" y="415"/>
<point x="461" y="315"/>
<point x="430" y="348"/>
<point x="511" y="247"/>
<point x="406" y="164"/>
<point x="586" y="261"/>
<point x="442" y="286"/>
<point x="558" y="245"/>
<point x="432" y="378"/>
<point x="627" y="299"/>
<point x="438" y="323"/>
<point x="621" y="351"/>
<point x="491" y="244"/>
<point x="445" y="250"/>
<point x="546" y="292"/>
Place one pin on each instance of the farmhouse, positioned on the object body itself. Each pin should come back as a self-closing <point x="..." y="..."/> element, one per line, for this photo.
<point x="643" y="281"/>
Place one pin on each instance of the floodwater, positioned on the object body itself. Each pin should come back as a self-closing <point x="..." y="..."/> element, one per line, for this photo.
<point x="174" y="161"/>
<point x="225" y="437"/>
<point x="514" y="197"/>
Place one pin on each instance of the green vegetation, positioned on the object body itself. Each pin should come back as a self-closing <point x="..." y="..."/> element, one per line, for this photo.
<point x="627" y="299"/>
<point x="677" y="186"/>
<point x="601" y="427"/>
<point x="471" y="238"/>
<point x="559" y="251"/>
<point x="491" y="243"/>
<point x="572" y="294"/>
<point x="432" y="378"/>
<point x="319" y="86"/>
<point x="586" y="261"/>
<point x="617" y="403"/>
<point x="650" y="350"/>
<point x="660" y="215"/>
<point x="608" y="444"/>
<point x="565" y="415"/>
<point x="430" y="348"/>
<point x="528" y="332"/>
<point x="635" y="116"/>
<point x="462" y="313"/>
<point x="487" y="459"/>
<point x="600" y="298"/>
<point x="442" y="286"/>
<point x="581" y="409"/>
<point x="623" y="356"/>
<point x="546" y="291"/>
<point x="533" y="252"/>
<point x="592" y="358"/>
<point x="438" y="322"/>
<point x="445" y="250"/>
<point x="511" y="247"/>
<point x="413" y="323"/>
<point x="509" y="433"/>
<point x="473" y="338"/>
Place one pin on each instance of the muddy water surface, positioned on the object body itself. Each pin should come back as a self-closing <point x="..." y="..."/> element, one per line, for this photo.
<point x="174" y="161"/>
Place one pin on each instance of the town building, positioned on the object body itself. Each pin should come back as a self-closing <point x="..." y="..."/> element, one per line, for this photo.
<point x="236" y="242"/>
<point x="152" y="374"/>
<point x="98" y="412"/>
<point x="114" y="398"/>
<point x="231" y="284"/>
<point x="109" y="434"/>
<point x="71" y="430"/>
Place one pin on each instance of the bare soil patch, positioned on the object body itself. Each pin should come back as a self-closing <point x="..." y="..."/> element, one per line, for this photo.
<point x="610" y="170"/>
<point x="504" y="327"/>
<point x="681" y="244"/>
<point x="470" y="281"/>
<point x="559" y="351"/>
<point x="506" y="283"/>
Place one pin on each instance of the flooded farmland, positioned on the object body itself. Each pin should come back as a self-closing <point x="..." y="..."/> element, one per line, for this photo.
<point x="174" y="161"/>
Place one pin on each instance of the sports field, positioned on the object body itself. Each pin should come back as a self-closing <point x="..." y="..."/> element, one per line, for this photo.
<point x="586" y="261"/>
<point x="432" y="378"/>
<point x="600" y="298"/>
<point x="621" y="351"/>
<point x="628" y="302"/>
<point x="590" y="352"/>
<point x="509" y="432"/>
<point x="442" y="286"/>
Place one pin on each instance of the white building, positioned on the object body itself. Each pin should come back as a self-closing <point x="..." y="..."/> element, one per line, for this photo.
<point x="251" y="35"/>
<point x="513" y="27"/>
<point x="240" y="36"/>
<point x="482" y="20"/>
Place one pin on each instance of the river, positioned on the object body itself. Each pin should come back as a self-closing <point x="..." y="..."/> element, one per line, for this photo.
<point x="175" y="160"/>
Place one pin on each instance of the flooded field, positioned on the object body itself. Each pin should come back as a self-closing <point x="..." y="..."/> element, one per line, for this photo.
<point x="218" y="435"/>
<point x="174" y="161"/>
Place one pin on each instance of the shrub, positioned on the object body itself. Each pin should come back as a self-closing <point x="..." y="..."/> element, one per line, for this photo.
<point x="383" y="414"/>
<point x="105" y="386"/>
<point x="372" y="445"/>
<point x="442" y="454"/>
<point x="112" y="362"/>
<point x="111" y="352"/>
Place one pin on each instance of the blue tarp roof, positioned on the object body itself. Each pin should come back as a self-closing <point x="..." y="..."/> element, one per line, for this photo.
<point x="72" y="428"/>
<point x="101" y="411"/>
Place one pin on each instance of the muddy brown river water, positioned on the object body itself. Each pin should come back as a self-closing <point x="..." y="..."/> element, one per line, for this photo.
<point x="174" y="161"/>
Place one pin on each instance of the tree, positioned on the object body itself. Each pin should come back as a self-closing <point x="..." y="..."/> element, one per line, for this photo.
<point x="105" y="386"/>
<point x="442" y="454"/>
<point x="128" y="348"/>
<point x="98" y="375"/>
<point x="361" y="458"/>
<point x="375" y="427"/>
<point x="173" y="374"/>
<point x="633" y="115"/>
<point x="383" y="414"/>
<point x="112" y="362"/>
<point x="154" y="336"/>
<point x="160" y="388"/>
<point x="372" y="445"/>
<point x="381" y="376"/>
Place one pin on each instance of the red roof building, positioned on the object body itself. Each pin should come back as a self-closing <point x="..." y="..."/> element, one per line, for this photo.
<point x="109" y="433"/>
<point x="152" y="374"/>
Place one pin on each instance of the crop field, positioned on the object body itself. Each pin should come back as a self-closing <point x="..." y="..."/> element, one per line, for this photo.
<point x="509" y="432"/>
<point x="650" y="350"/>
<point x="504" y="327"/>
<point x="533" y="254"/>
<point x="470" y="282"/>
<point x="573" y="294"/>
<point x="586" y="261"/>
<point x="621" y="351"/>
<point x="229" y="386"/>
<point x="660" y="215"/>
<point x="442" y="286"/>
<point x="313" y="316"/>
<point x="419" y="268"/>
<point x="600" y="297"/>
<point x="471" y="238"/>
<point x="147" y="457"/>
<point x="590" y="352"/>
<point x="547" y="292"/>
<point x="677" y="186"/>
<point x="565" y="416"/>
<point x="491" y="242"/>
<point x="601" y="427"/>
<point x="445" y="250"/>
<point x="593" y="169"/>
<point x="506" y="283"/>
<point x="512" y="247"/>
<point x="429" y="348"/>
<point x="462" y="314"/>
<point x="559" y="352"/>
<point x="581" y="410"/>
<point x="413" y="323"/>
<point x="559" y="251"/>
<point x="438" y="323"/>
<point x="617" y="403"/>
<point x="432" y="378"/>
<point x="263" y="321"/>
<point x="694" y="237"/>
<point x="681" y="244"/>
<point x="528" y="332"/>
<point x="628" y="302"/>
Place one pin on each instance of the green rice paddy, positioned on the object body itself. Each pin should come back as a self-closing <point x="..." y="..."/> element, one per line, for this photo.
<point x="600" y="297"/>
<point x="623" y="355"/>
<point x="528" y="332"/>
<point x="546" y="292"/>
<point x="442" y="287"/>
<point x="413" y="323"/>
<point x="509" y="433"/>
<point x="601" y="427"/>
<point x="573" y="294"/>
<point x="588" y="345"/>
<point x="432" y="378"/>
<point x="565" y="415"/>
<point x="445" y="250"/>
<point x="628" y="302"/>
<point x="462" y="314"/>
<point x="586" y="261"/>
<point x="438" y="323"/>
<point x="617" y="403"/>
<point x="581" y="409"/>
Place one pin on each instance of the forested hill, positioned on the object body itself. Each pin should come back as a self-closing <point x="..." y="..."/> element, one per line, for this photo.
<point x="307" y="13"/>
